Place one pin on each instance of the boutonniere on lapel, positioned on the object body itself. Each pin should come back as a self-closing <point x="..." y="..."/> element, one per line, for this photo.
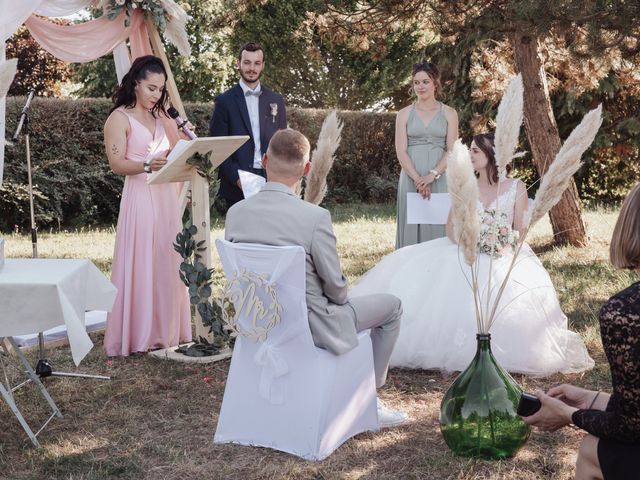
<point x="274" y="111"/>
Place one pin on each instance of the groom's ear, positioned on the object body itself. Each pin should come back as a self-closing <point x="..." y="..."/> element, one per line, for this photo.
<point x="307" y="167"/>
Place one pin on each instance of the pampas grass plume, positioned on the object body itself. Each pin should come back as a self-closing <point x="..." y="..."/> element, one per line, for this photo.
<point x="176" y="31"/>
<point x="508" y="122"/>
<point x="567" y="162"/>
<point x="463" y="189"/>
<point x="322" y="158"/>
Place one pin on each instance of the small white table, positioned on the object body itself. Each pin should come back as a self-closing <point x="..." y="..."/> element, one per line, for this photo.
<point x="38" y="294"/>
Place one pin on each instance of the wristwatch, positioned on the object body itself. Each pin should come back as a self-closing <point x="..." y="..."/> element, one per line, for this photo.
<point x="435" y="174"/>
<point x="147" y="167"/>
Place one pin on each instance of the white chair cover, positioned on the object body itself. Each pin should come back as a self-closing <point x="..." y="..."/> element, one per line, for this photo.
<point x="283" y="392"/>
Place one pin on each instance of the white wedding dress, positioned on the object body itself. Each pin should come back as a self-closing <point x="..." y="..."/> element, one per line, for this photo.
<point x="438" y="326"/>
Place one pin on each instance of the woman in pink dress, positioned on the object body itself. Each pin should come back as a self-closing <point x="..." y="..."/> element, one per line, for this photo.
<point x="152" y="307"/>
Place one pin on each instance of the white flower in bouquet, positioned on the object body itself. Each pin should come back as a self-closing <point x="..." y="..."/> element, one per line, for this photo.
<point x="497" y="236"/>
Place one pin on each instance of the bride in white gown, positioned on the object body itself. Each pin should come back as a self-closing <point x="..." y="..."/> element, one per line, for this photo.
<point x="438" y="329"/>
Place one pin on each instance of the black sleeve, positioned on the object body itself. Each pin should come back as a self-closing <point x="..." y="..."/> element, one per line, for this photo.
<point x="620" y="329"/>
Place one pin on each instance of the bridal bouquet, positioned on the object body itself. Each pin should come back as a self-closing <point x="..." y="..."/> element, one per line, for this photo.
<point x="497" y="237"/>
<point x="490" y="232"/>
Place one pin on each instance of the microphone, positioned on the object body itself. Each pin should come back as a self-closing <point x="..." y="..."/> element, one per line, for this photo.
<point x="182" y="124"/>
<point x="23" y="115"/>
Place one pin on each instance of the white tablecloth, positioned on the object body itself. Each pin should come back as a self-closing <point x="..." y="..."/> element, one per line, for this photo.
<point x="38" y="294"/>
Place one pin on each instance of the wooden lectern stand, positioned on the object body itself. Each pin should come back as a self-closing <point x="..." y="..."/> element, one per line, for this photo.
<point x="178" y="170"/>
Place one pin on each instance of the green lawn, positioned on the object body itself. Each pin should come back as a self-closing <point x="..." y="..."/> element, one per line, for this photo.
<point x="155" y="419"/>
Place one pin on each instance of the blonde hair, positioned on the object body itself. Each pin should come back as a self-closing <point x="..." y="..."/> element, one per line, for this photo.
<point x="288" y="152"/>
<point x="624" y="251"/>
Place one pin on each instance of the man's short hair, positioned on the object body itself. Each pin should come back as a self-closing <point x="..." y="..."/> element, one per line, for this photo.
<point x="251" y="47"/>
<point x="288" y="151"/>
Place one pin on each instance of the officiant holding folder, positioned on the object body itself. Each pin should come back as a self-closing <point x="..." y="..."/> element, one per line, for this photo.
<point x="151" y="309"/>
<point x="248" y="108"/>
<point x="425" y="132"/>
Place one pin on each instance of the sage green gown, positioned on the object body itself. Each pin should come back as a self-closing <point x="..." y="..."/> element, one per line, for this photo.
<point x="426" y="145"/>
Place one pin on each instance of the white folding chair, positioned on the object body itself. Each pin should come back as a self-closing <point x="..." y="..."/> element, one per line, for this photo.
<point x="282" y="391"/>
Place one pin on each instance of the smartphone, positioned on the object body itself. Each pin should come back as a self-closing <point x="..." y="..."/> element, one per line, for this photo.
<point x="528" y="405"/>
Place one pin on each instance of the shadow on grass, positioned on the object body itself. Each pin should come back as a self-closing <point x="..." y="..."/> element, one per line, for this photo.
<point x="583" y="288"/>
<point x="85" y="465"/>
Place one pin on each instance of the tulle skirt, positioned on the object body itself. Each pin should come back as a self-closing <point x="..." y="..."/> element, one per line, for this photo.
<point x="439" y="326"/>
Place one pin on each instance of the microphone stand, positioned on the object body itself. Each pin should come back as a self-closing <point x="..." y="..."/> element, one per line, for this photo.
<point x="23" y="122"/>
<point x="43" y="367"/>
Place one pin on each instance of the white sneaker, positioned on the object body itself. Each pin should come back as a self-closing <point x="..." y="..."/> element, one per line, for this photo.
<point x="388" y="417"/>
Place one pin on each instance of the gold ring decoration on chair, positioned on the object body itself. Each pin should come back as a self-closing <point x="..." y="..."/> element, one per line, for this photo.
<point x="240" y="297"/>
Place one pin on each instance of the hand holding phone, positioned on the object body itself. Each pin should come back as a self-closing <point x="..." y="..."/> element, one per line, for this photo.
<point x="528" y="405"/>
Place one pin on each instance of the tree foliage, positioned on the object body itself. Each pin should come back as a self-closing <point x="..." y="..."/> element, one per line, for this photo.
<point x="312" y="72"/>
<point x="306" y="69"/>
<point x="37" y="68"/>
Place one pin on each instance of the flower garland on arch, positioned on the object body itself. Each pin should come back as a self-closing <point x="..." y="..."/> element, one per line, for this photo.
<point x="169" y="17"/>
<point x="154" y="8"/>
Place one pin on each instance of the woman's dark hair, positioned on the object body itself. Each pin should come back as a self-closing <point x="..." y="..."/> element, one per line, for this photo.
<point x="431" y="70"/>
<point x="485" y="142"/>
<point x="126" y="95"/>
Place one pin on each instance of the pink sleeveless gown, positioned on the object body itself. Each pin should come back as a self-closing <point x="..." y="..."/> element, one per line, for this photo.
<point x="152" y="306"/>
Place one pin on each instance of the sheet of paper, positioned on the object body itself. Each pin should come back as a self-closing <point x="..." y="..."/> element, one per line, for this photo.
<point x="178" y="169"/>
<point x="433" y="212"/>
<point x="251" y="183"/>
<point x="179" y="148"/>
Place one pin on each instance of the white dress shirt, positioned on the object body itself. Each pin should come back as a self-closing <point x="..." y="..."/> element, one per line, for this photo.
<point x="254" y="118"/>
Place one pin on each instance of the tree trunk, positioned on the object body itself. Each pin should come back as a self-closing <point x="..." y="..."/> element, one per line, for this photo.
<point x="542" y="132"/>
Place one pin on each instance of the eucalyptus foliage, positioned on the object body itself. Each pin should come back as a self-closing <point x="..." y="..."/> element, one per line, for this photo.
<point x="198" y="279"/>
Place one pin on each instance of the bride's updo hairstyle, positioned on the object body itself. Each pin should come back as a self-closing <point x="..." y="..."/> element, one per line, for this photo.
<point x="624" y="251"/>
<point x="126" y="94"/>
<point x="485" y="143"/>
<point x="431" y="70"/>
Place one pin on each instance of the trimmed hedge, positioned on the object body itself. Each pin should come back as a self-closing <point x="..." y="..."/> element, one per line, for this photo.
<point x="74" y="186"/>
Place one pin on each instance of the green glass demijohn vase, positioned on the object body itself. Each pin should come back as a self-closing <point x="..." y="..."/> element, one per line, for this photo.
<point x="478" y="413"/>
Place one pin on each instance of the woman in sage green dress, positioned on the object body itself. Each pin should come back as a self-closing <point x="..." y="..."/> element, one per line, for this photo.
<point x="425" y="131"/>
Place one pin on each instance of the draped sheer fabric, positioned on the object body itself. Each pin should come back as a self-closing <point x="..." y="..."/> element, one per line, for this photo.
<point x="15" y="13"/>
<point x="62" y="8"/>
<point x="87" y="41"/>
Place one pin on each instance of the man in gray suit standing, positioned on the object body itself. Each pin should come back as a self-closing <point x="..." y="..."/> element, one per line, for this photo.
<point x="277" y="216"/>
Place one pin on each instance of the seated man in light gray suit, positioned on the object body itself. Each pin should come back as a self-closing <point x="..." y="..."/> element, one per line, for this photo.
<point x="277" y="216"/>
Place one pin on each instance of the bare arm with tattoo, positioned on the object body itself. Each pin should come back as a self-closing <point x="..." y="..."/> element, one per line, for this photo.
<point x="116" y="130"/>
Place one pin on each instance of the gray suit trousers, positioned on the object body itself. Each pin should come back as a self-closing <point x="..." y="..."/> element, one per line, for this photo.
<point x="381" y="313"/>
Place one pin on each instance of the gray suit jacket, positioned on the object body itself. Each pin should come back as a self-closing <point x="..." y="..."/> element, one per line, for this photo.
<point x="276" y="216"/>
